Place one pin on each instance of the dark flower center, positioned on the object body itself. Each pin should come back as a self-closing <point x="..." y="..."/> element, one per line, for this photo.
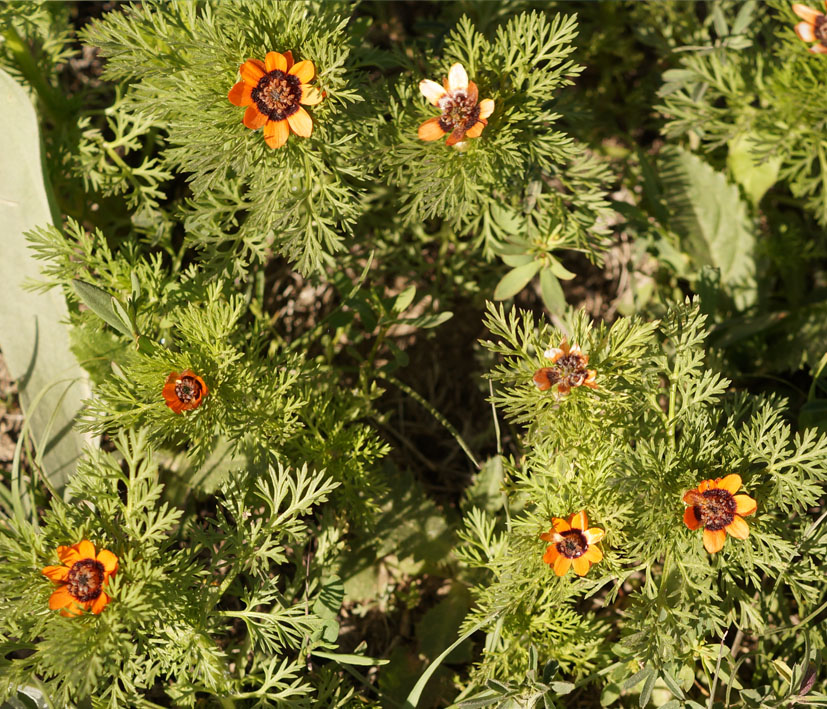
<point x="277" y="94"/>
<point x="458" y="110"/>
<point x="821" y="29"/>
<point x="187" y="389"/>
<point x="85" y="580"/>
<point x="574" y="544"/>
<point x="716" y="510"/>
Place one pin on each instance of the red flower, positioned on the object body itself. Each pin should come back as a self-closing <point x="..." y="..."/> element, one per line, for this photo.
<point x="185" y="391"/>
<point x="569" y="370"/>
<point x="572" y="544"/>
<point x="272" y="91"/>
<point x="715" y="505"/>
<point x="82" y="578"/>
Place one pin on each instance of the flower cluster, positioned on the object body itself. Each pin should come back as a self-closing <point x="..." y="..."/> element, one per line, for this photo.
<point x="568" y="370"/>
<point x="813" y="28"/>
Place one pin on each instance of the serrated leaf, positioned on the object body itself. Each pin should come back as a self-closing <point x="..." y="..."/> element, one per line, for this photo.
<point x="33" y="336"/>
<point x="710" y="218"/>
<point x="515" y="280"/>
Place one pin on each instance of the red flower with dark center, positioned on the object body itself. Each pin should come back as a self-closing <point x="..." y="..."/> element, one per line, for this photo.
<point x="184" y="391"/>
<point x="568" y="370"/>
<point x="82" y="578"/>
<point x="572" y="544"/>
<point x="715" y="505"/>
<point x="463" y="114"/>
<point x="273" y="90"/>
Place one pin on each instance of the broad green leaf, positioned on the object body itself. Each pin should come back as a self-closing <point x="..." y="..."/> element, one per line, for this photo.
<point x="559" y="270"/>
<point x="552" y="292"/>
<point x="754" y="177"/>
<point x="103" y="305"/>
<point x="710" y="218"/>
<point x="515" y="280"/>
<point x="347" y="659"/>
<point x="403" y="300"/>
<point x="33" y="336"/>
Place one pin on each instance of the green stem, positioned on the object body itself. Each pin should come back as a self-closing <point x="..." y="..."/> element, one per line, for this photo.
<point x="53" y="103"/>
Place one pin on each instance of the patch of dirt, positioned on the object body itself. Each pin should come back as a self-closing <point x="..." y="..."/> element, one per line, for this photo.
<point x="11" y="417"/>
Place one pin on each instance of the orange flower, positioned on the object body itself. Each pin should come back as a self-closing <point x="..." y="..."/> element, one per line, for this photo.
<point x="185" y="391"/>
<point x="462" y="115"/>
<point x="272" y="91"/>
<point x="81" y="579"/>
<point x="569" y="370"/>
<point x="813" y="29"/>
<point x="715" y="505"/>
<point x="572" y="544"/>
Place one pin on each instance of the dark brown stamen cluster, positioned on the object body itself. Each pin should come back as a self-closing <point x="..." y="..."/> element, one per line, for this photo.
<point x="187" y="389"/>
<point x="574" y="544"/>
<point x="572" y="370"/>
<point x="277" y="95"/>
<point x="717" y="509"/>
<point x="85" y="580"/>
<point x="459" y="110"/>
<point x="820" y="29"/>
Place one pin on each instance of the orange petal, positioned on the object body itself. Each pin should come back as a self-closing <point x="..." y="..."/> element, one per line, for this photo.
<point x="310" y="95"/>
<point x="590" y="377"/>
<point x="579" y="520"/>
<point x="431" y="90"/>
<point x="561" y="565"/>
<point x="593" y="554"/>
<point x="100" y="603"/>
<point x="274" y="61"/>
<point x="551" y="554"/>
<point x="251" y="71"/>
<point x="239" y="95"/>
<point x="818" y="49"/>
<point x="68" y="555"/>
<point x="430" y="130"/>
<point x="806" y="13"/>
<point x="690" y="519"/>
<point x="805" y="31"/>
<point x="475" y="131"/>
<point x="594" y="535"/>
<point x="85" y="549"/>
<point x="731" y="483"/>
<point x="581" y="565"/>
<point x="486" y="107"/>
<point x="457" y="77"/>
<point x="253" y="118"/>
<point x="553" y="353"/>
<point x="300" y="122"/>
<point x="738" y="528"/>
<point x="55" y="573"/>
<point x="714" y="541"/>
<point x="304" y="70"/>
<point x="109" y="561"/>
<point x="275" y="133"/>
<point x="560" y="525"/>
<point x="705" y="485"/>
<point x="745" y="505"/>
<point x="563" y="388"/>
<point x="288" y="57"/>
<point x="61" y="598"/>
<point x="541" y="378"/>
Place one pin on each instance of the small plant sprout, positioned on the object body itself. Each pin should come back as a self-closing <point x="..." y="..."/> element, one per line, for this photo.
<point x="272" y="91"/>
<point x="463" y="114"/>
<point x="715" y="505"/>
<point x="82" y="578"/>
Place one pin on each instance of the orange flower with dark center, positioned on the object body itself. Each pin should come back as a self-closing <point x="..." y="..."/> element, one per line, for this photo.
<point x="463" y="116"/>
<point x="185" y="391"/>
<point x="813" y="29"/>
<point x="715" y="505"/>
<point x="572" y="544"/>
<point x="81" y="579"/>
<point x="273" y="90"/>
<point x="569" y="370"/>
